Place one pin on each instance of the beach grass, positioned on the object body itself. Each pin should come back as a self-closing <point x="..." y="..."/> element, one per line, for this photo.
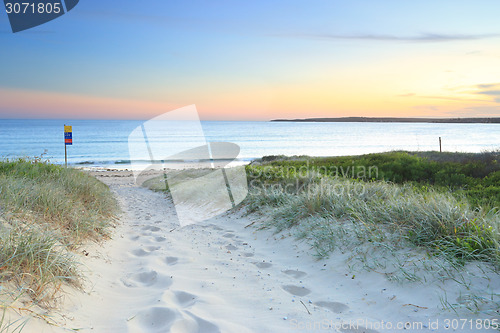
<point x="397" y="214"/>
<point x="412" y="217"/>
<point x="47" y="211"/>
<point x="431" y="219"/>
<point x="476" y="176"/>
<point x="445" y="203"/>
<point x="399" y="193"/>
<point x="76" y="203"/>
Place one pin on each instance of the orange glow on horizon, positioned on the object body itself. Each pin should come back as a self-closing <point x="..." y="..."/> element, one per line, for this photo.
<point x="256" y="104"/>
<point x="38" y="104"/>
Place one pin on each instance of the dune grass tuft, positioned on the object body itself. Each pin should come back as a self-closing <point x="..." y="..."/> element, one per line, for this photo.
<point x="75" y="202"/>
<point x="46" y="211"/>
<point x="412" y="228"/>
<point x="441" y="220"/>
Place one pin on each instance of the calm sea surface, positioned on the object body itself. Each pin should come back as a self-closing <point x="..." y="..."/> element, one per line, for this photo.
<point x="105" y="142"/>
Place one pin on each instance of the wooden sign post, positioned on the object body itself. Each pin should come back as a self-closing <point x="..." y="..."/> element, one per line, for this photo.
<point x="68" y="141"/>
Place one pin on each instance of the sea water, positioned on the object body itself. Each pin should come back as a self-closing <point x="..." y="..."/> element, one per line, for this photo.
<point x="105" y="142"/>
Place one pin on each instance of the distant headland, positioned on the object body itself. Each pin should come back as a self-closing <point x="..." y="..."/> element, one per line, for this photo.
<point x="397" y="120"/>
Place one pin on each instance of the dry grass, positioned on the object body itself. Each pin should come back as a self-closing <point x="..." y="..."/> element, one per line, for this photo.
<point x="408" y="232"/>
<point x="46" y="212"/>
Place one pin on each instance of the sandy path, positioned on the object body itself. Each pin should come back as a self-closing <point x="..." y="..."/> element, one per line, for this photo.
<point x="201" y="278"/>
<point x="154" y="276"/>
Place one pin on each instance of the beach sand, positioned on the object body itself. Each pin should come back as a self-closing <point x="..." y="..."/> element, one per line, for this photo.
<point x="226" y="276"/>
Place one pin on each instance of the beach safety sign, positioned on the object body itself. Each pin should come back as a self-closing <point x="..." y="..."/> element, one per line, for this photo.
<point x="68" y="135"/>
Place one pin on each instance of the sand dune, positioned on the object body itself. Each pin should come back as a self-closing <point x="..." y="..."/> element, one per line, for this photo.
<point x="222" y="276"/>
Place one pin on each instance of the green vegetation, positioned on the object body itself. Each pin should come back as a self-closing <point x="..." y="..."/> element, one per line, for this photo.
<point x="409" y="216"/>
<point x="46" y="211"/>
<point x="75" y="203"/>
<point x="477" y="176"/>
<point x="444" y="203"/>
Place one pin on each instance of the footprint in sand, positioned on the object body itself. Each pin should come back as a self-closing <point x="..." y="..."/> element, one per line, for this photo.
<point x="295" y="274"/>
<point x="144" y="252"/>
<point x="157" y="319"/>
<point x="296" y="290"/>
<point x="333" y="306"/>
<point x="228" y="235"/>
<point x="204" y="326"/>
<point x="180" y="298"/>
<point x="171" y="260"/>
<point x="247" y="254"/>
<point x="231" y="247"/>
<point x="185" y="299"/>
<point x="194" y="324"/>
<point x="134" y="237"/>
<point x="262" y="264"/>
<point x="139" y="253"/>
<point x="160" y="239"/>
<point x="151" y="228"/>
<point x="146" y="279"/>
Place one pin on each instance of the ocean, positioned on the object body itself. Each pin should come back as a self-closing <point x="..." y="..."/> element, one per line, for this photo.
<point x="105" y="142"/>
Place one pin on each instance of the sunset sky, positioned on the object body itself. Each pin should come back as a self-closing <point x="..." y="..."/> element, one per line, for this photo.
<point x="256" y="60"/>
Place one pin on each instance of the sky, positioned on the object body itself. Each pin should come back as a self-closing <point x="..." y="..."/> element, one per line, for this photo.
<point x="255" y="60"/>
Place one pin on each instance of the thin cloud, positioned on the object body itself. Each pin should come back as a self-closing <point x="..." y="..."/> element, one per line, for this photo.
<point x="460" y="99"/>
<point x="455" y="98"/>
<point x="426" y="107"/>
<point x="421" y="38"/>
<point x="488" y="85"/>
<point x="483" y="92"/>
<point x="486" y="92"/>
<point x="490" y="89"/>
<point x="490" y="92"/>
<point x="480" y="111"/>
